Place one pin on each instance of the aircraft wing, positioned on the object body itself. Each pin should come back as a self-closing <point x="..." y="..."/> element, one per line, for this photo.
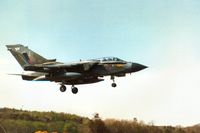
<point x="33" y="76"/>
<point x="56" y="66"/>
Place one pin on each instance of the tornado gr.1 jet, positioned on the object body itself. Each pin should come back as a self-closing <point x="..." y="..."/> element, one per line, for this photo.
<point x="81" y="72"/>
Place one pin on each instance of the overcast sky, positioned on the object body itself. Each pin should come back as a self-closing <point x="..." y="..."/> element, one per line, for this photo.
<point x="163" y="35"/>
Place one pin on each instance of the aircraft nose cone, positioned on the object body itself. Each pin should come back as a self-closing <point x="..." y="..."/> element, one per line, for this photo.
<point x="137" y="67"/>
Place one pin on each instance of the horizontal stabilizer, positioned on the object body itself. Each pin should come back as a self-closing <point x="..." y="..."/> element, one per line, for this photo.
<point x="51" y="60"/>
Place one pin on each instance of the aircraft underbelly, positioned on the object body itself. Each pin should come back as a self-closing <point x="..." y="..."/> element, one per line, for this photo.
<point x="82" y="81"/>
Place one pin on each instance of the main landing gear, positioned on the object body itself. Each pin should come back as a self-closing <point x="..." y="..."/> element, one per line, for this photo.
<point x="74" y="89"/>
<point x="113" y="79"/>
<point x="63" y="88"/>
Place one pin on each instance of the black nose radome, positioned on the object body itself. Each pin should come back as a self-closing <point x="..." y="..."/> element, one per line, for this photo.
<point x="137" y="67"/>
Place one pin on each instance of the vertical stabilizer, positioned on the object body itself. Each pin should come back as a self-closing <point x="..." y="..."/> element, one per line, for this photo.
<point x="25" y="56"/>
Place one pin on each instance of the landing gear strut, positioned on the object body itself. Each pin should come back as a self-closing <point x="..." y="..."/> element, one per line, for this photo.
<point x="113" y="79"/>
<point x="63" y="88"/>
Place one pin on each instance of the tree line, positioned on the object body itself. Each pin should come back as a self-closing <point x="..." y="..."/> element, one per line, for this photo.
<point x="21" y="121"/>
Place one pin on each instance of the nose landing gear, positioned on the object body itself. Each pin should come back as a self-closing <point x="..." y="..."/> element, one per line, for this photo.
<point x="113" y="79"/>
<point x="114" y="84"/>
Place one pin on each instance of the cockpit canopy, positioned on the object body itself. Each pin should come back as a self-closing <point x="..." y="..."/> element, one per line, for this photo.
<point x="110" y="59"/>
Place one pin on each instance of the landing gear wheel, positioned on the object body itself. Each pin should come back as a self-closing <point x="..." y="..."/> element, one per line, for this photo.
<point x="114" y="84"/>
<point x="74" y="90"/>
<point x="113" y="79"/>
<point x="62" y="88"/>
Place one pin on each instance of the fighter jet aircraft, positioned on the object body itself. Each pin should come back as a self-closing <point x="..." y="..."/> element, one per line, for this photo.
<point x="81" y="72"/>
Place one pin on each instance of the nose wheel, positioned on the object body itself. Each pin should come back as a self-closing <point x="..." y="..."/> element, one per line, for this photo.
<point x="113" y="79"/>
<point x="114" y="84"/>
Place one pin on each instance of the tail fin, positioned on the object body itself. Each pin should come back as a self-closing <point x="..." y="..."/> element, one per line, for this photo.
<point x="25" y="56"/>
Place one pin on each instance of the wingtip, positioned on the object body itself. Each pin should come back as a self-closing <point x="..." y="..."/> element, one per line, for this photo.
<point x="15" y="74"/>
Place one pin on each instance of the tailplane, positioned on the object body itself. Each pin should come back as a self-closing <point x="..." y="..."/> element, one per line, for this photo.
<point x="25" y="56"/>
